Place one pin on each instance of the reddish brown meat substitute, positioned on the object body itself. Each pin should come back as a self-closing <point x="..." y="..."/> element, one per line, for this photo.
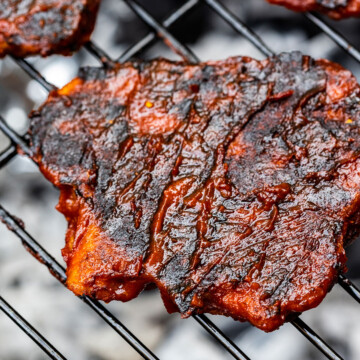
<point x="45" y="27"/>
<point x="232" y="185"/>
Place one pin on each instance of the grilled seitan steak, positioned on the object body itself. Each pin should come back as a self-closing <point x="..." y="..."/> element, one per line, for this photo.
<point x="45" y="27"/>
<point x="232" y="185"/>
<point x="337" y="9"/>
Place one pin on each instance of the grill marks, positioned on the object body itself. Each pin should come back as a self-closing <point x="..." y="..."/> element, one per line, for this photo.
<point x="229" y="184"/>
<point x="337" y="9"/>
<point x="44" y="27"/>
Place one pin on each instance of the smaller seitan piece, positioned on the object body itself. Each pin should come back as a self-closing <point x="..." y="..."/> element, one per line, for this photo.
<point x="45" y="27"/>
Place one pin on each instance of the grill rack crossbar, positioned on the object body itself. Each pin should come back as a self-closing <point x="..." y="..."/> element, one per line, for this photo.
<point x="161" y="31"/>
<point x="170" y="40"/>
<point x="29" y="330"/>
<point x="334" y="35"/>
<point x="7" y="155"/>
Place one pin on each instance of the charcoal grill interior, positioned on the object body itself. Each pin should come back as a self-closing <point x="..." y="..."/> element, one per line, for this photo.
<point x="159" y="31"/>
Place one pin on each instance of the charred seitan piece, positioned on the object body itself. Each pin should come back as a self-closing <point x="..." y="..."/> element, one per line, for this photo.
<point x="337" y="9"/>
<point x="232" y="185"/>
<point x="45" y="27"/>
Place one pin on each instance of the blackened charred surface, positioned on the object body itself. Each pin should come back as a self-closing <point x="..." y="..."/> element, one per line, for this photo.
<point x="44" y="27"/>
<point x="231" y="185"/>
<point x="337" y="9"/>
<point x="136" y="201"/>
<point x="273" y="143"/>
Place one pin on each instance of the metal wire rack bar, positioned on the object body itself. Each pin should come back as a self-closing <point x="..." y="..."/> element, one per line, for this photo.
<point x="349" y="287"/>
<point x="14" y="137"/>
<point x="316" y="340"/>
<point x="220" y="336"/>
<point x="151" y="37"/>
<point x="163" y="33"/>
<point x="239" y="26"/>
<point x="35" y="74"/>
<point x="334" y="35"/>
<point x="101" y="55"/>
<point x="93" y="49"/>
<point x="32" y="72"/>
<point x="7" y="155"/>
<point x="30" y="331"/>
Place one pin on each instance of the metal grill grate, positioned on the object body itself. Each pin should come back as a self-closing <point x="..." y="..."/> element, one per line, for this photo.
<point x="159" y="31"/>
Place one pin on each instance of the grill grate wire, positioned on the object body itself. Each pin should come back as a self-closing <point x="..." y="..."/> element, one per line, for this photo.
<point x="151" y="36"/>
<point x="104" y="58"/>
<point x="160" y="31"/>
<point x="239" y="26"/>
<point x="7" y="155"/>
<point x="349" y="287"/>
<point x="174" y="44"/>
<point x="30" y="331"/>
<point x="334" y="35"/>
